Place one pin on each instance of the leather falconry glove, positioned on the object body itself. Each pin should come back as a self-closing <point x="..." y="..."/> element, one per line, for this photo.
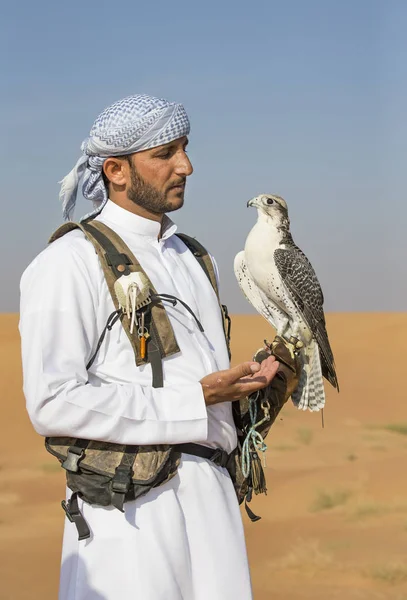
<point x="275" y="395"/>
<point x="268" y="403"/>
<point x="286" y="352"/>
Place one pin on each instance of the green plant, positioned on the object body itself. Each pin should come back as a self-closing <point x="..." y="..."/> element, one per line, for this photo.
<point x="400" y="428"/>
<point x="284" y="447"/>
<point x="327" y="500"/>
<point x="390" y="573"/>
<point x="305" y="436"/>
<point x="306" y="556"/>
<point x="51" y="467"/>
<point x="370" y="508"/>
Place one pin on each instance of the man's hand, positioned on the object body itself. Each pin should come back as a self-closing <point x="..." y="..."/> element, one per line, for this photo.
<point x="239" y="382"/>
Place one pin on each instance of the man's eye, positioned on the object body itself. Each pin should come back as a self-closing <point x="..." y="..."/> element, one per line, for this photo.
<point x="164" y="155"/>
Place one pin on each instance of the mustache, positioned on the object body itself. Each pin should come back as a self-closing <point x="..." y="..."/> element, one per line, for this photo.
<point x="181" y="182"/>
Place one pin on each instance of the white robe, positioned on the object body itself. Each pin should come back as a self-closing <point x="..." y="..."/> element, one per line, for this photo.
<point x="183" y="540"/>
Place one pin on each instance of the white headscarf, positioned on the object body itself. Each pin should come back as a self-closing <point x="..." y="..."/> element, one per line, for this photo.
<point x="130" y="125"/>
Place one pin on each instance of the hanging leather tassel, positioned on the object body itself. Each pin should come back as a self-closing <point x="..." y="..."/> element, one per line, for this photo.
<point x="252" y="516"/>
<point x="258" y="477"/>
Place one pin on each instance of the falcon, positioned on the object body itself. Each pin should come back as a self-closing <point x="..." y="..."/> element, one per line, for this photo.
<point x="278" y="280"/>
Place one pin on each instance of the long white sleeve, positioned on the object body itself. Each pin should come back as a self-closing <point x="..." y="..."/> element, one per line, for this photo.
<point x="60" y="323"/>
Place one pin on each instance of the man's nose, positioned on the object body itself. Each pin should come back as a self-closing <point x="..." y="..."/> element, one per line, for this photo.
<point x="184" y="166"/>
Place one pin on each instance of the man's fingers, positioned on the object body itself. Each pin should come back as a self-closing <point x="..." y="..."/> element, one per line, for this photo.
<point x="250" y="368"/>
<point x="263" y="377"/>
<point x="244" y="369"/>
<point x="272" y="369"/>
<point x="267" y="364"/>
<point x="238" y="382"/>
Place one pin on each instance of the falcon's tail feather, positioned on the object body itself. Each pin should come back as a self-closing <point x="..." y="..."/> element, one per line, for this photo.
<point x="326" y="355"/>
<point x="310" y="392"/>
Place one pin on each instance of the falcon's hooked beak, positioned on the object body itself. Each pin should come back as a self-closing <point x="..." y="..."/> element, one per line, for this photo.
<point x="252" y="202"/>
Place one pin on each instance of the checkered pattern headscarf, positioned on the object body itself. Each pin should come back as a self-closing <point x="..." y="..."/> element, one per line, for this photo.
<point x="130" y="125"/>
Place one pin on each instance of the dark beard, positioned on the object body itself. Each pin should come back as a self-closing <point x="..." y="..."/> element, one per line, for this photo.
<point x="145" y="195"/>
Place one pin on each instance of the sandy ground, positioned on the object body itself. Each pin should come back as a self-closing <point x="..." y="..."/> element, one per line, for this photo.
<point x="334" y="522"/>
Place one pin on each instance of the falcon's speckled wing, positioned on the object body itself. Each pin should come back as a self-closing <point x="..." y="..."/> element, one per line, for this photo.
<point x="301" y="281"/>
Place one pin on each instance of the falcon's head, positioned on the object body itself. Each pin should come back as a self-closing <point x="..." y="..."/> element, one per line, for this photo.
<point x="272" y="206"/>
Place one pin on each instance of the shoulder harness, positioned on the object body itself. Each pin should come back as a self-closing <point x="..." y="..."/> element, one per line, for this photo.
<point x="110" y="474"/>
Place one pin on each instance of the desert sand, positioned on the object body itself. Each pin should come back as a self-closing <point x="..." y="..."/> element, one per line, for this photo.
<point x="334" y="521"/>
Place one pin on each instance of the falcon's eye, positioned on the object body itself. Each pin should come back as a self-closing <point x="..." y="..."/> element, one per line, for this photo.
<point x="270" y="201"/>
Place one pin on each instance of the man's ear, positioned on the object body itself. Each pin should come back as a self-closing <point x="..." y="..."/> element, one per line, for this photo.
<point x="116" y="170"/>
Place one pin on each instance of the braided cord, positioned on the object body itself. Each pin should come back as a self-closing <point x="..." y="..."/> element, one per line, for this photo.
<point x="254" y="437"/>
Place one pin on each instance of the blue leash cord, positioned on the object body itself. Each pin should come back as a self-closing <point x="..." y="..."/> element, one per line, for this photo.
<point x="254" y="436"/>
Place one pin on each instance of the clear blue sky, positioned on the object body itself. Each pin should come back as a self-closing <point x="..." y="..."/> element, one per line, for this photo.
<point x="306" y="99"/>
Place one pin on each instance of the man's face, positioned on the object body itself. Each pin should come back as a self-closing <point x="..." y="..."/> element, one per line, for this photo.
<point x="158" y="177"/>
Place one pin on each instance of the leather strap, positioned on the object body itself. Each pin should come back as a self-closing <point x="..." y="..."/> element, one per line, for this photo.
<point x="122" y="479"/>
<point x="74" y="515"/>
<point x="218" y="456"/>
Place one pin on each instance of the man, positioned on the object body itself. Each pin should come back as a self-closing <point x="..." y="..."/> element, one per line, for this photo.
<point x="184" y="539"/>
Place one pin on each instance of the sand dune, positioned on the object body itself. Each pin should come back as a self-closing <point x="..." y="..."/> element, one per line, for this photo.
<point x="334" y="522"/>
